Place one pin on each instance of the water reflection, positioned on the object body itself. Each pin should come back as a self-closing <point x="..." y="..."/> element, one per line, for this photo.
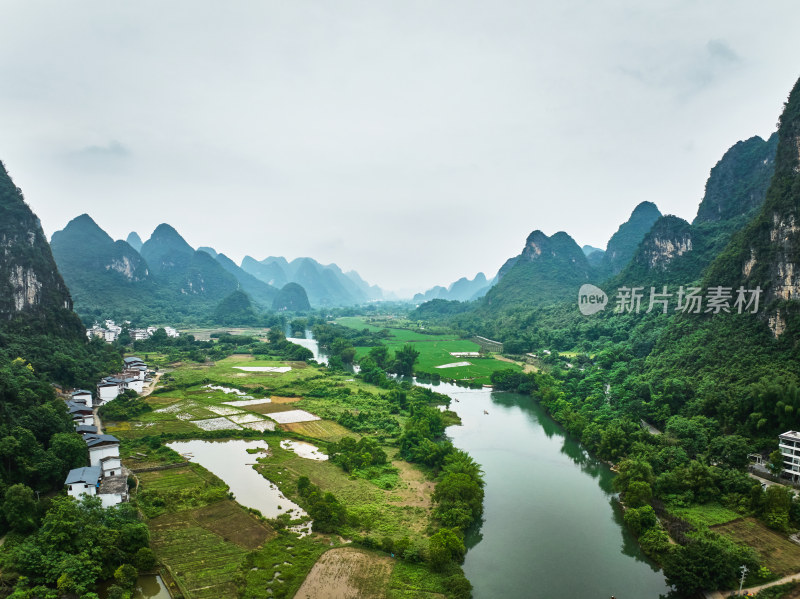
<point x="311" y="344"/>
<point x="231" y="461"/>
<point x="548" y="508"/>
<point x="150" y="587"/>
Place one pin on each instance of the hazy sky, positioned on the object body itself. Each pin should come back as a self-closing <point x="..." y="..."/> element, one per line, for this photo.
<point x="413" y="141"/>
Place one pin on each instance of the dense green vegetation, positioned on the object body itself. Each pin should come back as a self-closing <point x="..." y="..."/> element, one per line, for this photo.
<point x="77" y="545"/>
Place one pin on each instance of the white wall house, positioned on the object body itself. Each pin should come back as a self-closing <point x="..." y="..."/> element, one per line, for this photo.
<point x="111" y="466"/>
<point x="110" y="499"/>
<point x="107" y="391"/>
<point x="134" y="384"/>
<point x="82" y="396"/>
<point x="80" y="414"/>
<point x="789" y="444"/>
<point x="101" y="446"/>
<point x="83" y="481"/>
<point x="83" y="419"/>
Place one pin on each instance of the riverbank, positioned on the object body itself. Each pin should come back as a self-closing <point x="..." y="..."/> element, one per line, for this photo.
<point x="548" y="505"/>
<point x="194" y="521"/>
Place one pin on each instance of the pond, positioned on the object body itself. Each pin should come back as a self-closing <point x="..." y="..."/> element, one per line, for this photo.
<point x="231" y="462"/>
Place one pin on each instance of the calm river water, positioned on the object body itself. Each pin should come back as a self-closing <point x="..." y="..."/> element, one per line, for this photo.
<point x="551" y="528"/>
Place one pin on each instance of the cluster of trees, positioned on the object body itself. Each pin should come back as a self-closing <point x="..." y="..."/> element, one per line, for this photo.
<point x="352" y="455"/>
<point x="459" y="492"/>
<point x="38" y="442"/>
<point x="125" y="406"/>
<point x="68" y="362"/>
<point x="327" y="333"/>
<point x="378" y="362"/>
<point x="280" y="348"/>
<point x="77" y="545"/>
<point x="370" y="421"/>
<point x="324" y="508"/>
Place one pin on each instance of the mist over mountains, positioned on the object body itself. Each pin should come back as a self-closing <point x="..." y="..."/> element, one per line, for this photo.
<point x="166" y="279"/>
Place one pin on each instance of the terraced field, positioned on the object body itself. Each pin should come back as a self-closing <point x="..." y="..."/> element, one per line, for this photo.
<point x="777" y="552"/>
<point x="205" y="548"/>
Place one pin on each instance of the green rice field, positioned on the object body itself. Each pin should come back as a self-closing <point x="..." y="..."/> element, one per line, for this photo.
<point x="435" y="351"/>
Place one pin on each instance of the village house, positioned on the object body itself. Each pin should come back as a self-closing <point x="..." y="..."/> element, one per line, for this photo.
<point x="83" y="481"/>
<point x="111" y="466"/>
<point x="86" y="429"/>
<point x="101" y="446"/>
<point x="82" y="396"/>
<point x="112" y="489"/>
<point x="789" y="444"/>
<point x="133" y="383"/>
<point x="108" y="389"/>
<point x="81" y="414"/>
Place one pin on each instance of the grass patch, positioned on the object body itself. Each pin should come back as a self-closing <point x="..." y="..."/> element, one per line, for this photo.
<point x="434" y="350"/>
<point x="279" y="568"/>
<point x="706" y="515"/>
<point x="403" y="510"/>
<point x="414" y="580"/>
<point x="325" y="430"/>
<point x="775" y="551"/>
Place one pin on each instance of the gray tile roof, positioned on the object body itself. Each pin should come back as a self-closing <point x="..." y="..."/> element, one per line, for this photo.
<point x="95" y="440"/>
<point x="89" y="475"/>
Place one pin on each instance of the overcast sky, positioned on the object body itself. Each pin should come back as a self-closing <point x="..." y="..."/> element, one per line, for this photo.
<point x="414" y="141"/>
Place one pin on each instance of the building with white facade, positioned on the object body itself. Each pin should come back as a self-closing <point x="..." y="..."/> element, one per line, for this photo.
<point x="101" y="446"/>
<point x="83" y="481"/>
<point x="108" y="390"/>
<point x="81" y="396"/>
<point x="135" y="384"/>
<point x="789" y="444"/>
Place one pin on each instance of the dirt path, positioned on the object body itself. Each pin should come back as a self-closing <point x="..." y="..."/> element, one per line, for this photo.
<point x="526" y="368"/>
<point x="152" y="386"/>
<point x="97" y="422"/>
<point x="723" y="594"/>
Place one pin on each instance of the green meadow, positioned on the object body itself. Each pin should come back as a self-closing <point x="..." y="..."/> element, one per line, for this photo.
<point x="434" y="351"/>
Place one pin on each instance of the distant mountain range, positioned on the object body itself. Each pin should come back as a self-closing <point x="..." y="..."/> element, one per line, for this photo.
<point x="326" y="285"/>
<point x="462" y="290"/>
<point x="649" y="249"/>
<point x="166" y="279"/>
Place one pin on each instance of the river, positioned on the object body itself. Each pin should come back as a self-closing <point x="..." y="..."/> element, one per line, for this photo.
<point x="551" y="527"/>
<point x="309" y="343"/>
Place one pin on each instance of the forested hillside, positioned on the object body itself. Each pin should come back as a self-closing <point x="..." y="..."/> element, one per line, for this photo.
<point x="716" y="379"/>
